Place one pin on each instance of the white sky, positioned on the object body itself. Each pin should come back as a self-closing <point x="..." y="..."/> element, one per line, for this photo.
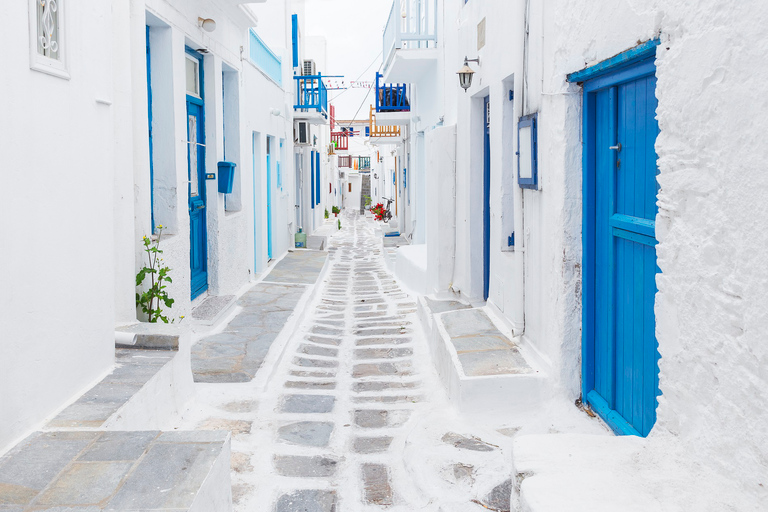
<point x="353" y="30"/>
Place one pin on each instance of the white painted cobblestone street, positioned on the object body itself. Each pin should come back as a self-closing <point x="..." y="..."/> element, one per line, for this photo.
<point x="353" y="417"/>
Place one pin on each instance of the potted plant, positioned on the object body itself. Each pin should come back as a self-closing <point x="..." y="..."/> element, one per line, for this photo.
<point x="335" y="210"/>
<point x="326" y="213"/>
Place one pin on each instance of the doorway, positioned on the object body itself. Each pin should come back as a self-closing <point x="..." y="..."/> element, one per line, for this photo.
<point x="198" y="231"/>
<point x="621" y="373"/>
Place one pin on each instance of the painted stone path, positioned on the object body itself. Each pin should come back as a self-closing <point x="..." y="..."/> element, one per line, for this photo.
<point x="353" y="418"/>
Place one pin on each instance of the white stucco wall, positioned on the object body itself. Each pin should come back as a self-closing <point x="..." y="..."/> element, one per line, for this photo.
<point x="56" y="219"/>
<point x="711" y="302"/>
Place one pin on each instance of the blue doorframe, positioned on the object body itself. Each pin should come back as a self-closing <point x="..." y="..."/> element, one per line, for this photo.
<point x="269" y="197"/>
<point x="198" y="230"/>
<point x="486" y="199"/>
<point x="256" y="216"/>
<point x="151" y="149"/>
<point x="619" y="347"/>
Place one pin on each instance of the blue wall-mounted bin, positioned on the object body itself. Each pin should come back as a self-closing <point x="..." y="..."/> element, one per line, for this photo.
<point x="226" y="176"/>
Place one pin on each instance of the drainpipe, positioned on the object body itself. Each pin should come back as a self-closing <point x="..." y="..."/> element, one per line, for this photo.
<point x="518" y="310"/>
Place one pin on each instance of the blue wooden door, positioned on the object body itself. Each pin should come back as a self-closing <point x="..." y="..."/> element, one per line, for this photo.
<point x="198" y="234"/>
<point x="269" y="198"/>
<point x="486" y="198"/>
<point x="621" y="363"/>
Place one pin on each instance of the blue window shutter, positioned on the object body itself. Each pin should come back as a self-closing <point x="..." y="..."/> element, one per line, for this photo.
<point x="312" y="177"/>
<point x="317" y="178"/>
<point x="295" y="37"/>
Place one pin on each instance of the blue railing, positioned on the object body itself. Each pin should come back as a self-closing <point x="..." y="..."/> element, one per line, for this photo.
<point x="265" y="59"/>
<point x="391" y="97"/>
<point x="412" y="24"/>
<point x="311" y="94"/>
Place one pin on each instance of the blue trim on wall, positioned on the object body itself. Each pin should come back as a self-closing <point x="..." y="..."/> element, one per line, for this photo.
<point x="295" y="39"/>
<point x="151" y="147"/>
<point x="628" y="57"/>
<point x="265" y="59"/>
<point x="531" y="120"/>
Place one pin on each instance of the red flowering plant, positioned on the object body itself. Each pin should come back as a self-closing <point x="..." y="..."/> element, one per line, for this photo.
<point x="378" y="211"/>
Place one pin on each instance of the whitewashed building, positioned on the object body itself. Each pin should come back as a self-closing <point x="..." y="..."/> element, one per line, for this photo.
<point x="598" y="187"/>
<point x="127" y="116"/>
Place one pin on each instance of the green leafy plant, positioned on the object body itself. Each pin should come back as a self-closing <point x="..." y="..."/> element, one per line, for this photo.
<point x="338" y="223"/>
<point x="155" y="296"/>
<point x="367" y="201"/>
<point x="326" y="213"/>
<point x="335" y="209"/>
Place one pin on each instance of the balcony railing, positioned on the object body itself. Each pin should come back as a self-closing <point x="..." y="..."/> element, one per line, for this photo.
<point x="412" y="24"/>
<point x="340" y="141"/>
<point x="364" y="163"/>
<point x="391" y="97"/>
<point x="311" y="94"/>
<point x="345" y="161"/>
<point x="375" y="131"/>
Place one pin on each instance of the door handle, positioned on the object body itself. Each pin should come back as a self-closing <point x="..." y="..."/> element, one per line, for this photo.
<point x="617" y="147"/>
<point x="200" y="207"/>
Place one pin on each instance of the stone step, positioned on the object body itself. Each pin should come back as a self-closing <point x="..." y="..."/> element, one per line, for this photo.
<point x="146" y="389"/>
<point x="482" y="369"/>
<point x="118" y="471"/>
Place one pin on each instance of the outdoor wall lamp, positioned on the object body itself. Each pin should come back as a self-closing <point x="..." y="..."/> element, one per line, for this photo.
<point x="206" y="24"/>
<point x="465" y="73"/>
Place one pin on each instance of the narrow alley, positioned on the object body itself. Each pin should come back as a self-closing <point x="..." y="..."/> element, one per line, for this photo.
<point x="384" y="255"/>
<point x="351" y="416"/>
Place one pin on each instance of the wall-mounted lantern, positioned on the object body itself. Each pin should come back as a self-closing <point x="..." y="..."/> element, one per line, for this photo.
<point x="206" y="24"/>
<point x="465" y="73"/>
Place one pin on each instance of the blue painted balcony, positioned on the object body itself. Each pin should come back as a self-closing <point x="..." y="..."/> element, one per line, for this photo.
<point x="311" y="99"/>
<point x="391" y="97"/>
<point x="410" y="40"/>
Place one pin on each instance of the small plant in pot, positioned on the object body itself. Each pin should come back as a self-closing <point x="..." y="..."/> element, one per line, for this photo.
<point x="326" y="213"/>
<point x="335" y="210"/>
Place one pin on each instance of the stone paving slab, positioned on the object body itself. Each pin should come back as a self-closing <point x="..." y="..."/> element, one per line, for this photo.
<point x="95" y="471"/>
<point x="134" y="368"/>
<point x="309" y="500"/>
<point x="301" y="267"/>
<point x="237" y="353"/>
<point x="482" y="349"/>
<point x="441" y="306"/>
<point x="212" y="307"/>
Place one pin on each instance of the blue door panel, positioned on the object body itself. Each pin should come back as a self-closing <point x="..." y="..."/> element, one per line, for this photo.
<point x="621" y="376"/>
<point x="198" y="234"/>
<point x="198" y="240"/>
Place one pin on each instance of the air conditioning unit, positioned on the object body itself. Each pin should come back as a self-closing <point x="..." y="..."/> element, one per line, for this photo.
<point x="301" y="134"/>
<point x="309" y="68"/>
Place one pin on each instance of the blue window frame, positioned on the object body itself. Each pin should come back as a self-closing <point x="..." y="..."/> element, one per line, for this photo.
<point x="527" y="152"/>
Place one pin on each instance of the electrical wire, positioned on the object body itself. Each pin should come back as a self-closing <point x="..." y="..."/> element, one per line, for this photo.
<point x="361" y="75"/>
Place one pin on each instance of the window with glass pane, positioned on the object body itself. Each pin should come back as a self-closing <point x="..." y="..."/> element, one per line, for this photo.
<point x="48" y="28"/>
<point x="194" y="187"/>
<point x="193" y="77"/>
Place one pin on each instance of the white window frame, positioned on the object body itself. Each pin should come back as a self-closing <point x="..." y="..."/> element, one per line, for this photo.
<point x="38" y="62"/>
